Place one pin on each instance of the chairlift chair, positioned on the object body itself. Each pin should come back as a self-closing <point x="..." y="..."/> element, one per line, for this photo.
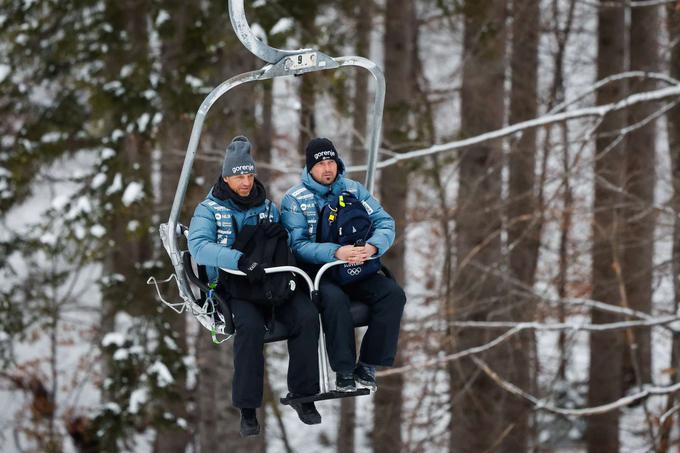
<point x="197" y="296"/>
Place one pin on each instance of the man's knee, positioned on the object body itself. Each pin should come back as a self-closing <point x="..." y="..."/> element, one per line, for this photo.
<point x="394" y="295"/>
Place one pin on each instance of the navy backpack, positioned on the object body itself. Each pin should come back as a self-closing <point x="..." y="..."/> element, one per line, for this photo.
<point x="344" y="221"/>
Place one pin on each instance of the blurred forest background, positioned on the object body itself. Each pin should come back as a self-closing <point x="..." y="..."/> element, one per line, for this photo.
<point x="531" y="159"/>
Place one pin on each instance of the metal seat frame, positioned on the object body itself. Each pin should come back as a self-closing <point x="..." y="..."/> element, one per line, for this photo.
<point x="279" y="63"/>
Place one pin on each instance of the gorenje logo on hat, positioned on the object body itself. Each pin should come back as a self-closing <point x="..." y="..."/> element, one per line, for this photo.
<point x="243" y="169"/>
<point x="330" y="153"/>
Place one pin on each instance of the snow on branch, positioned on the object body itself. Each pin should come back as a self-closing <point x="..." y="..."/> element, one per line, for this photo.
<point x="597" y="112"/>
<point x="587" y="411"/>
<point x="564" y="326"/>
<point x="455" y="356"/>
<point x="518" y="327"/>
<point x="631" y="4"/>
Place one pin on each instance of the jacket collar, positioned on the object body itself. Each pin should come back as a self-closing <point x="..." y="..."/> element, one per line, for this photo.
<point x="335" y="188"/>
<point x="226" y="203"/>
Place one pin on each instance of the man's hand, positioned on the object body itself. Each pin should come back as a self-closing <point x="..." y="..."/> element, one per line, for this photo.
<point x="351" y="254"/>
<point x="253" y="270"/>
<point x="366" y="252"/>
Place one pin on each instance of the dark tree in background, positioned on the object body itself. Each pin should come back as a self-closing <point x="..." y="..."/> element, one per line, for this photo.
<point x="476" y="401"/>
<point x="673" y="126"/>
<point x="637" y="235"/>
<point x="524" y="214"/>
<point x="606" y="349"/>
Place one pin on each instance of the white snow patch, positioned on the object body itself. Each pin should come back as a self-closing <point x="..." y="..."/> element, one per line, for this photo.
<point x="194" y="82"/>
<point x="163" y="16"/>
<point x="170" y="344"/>
<point x="107" y="153"/>
<point x="59" y="202"/>
<point x="79" y="232"/>
<point x="7" y="140"/>
<point x="116" y="338"/>
<point x="126" y="70"/>
<point x="121" y="354"/>
<point x="137" y="398"/>
<point x="98" y="180"/>
<point x="116" y="185"/>
<point x="97" y="231"/>
<point x="49" y="239"/>
<point x="133" y="225"/>
<point x="133" y="192"/>
<point x="112" y="407"/>
<point x="163" y="376"/>
<point x="143" y="122"/>
<point x="283" y="25"/>
<point x="4" y="72"/>
<point x="117" y="135"/>
<point x="51" y="137"/>
<point x="84" y="205"/>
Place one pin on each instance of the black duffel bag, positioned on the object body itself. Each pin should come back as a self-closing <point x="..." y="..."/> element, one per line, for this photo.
<point x="270" y="251"/>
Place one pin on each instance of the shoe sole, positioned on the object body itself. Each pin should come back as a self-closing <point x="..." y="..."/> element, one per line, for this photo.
<point x="372" y="386"/>
<point x="346" y="389"/>
<point x="314" y="421"/>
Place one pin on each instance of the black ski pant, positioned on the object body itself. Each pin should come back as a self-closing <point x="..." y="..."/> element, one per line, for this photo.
<point x="301" y="319"/>
<point x="386" y="300"/>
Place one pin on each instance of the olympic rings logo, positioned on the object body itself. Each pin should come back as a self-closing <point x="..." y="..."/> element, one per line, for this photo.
<point x="354" y="271"/>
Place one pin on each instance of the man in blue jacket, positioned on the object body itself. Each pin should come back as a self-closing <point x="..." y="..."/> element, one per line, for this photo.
<point x="238" y="199"/>
<point x="323" y="180"/>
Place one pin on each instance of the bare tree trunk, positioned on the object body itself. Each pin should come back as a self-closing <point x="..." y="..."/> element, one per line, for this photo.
<point x="364" y="24"/>
<point x="307" y="128"/>
<point x="638" y="227"/>
<point x="524" y="216"/>
<point x="265" y="134"/>
<point x="400" y="51"/>
<point x="673" y="122"/>
<point x="476" y="401"/>
<point x="606" y="349"/>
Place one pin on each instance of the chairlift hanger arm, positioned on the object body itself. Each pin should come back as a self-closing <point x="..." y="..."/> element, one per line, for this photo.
<point x="237" y="15"/>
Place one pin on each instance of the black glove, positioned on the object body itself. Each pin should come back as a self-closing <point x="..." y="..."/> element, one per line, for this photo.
<point x="253" y="270"/>
<point x="274" y="229"/>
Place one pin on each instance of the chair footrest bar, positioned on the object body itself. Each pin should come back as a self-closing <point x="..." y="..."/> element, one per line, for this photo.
<point x="332" y="395"/>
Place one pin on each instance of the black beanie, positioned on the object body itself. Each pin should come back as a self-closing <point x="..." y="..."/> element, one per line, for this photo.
<point x="319" y="149"/>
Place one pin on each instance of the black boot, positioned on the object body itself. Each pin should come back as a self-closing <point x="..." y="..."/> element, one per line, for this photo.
<point x="365" y="375"/>
<point x="249" y="425"/>
<point x="344" y="382"/>
<point x="306" y="411"/>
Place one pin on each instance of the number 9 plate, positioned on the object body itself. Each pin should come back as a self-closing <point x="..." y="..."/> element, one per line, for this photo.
<point x="300" y="61"/>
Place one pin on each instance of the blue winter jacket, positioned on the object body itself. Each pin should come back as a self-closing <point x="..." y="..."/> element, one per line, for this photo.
<point x="300" y="213"/>
<point x="211" y="231"/>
